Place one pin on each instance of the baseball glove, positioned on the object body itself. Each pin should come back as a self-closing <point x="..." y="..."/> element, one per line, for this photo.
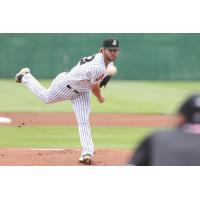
<point x="105" y="81"/>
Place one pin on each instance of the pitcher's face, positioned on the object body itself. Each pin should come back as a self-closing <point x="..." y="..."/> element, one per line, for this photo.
<point x="111" y="54"/>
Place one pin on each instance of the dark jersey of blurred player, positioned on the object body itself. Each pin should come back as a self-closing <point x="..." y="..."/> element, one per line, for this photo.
<point x="178" y="147"/>
<point x="169" y="148"/>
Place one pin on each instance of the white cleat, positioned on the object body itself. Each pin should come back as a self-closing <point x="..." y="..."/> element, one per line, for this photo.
<point x="20" y="75"/>
<point x="86" y="159"/>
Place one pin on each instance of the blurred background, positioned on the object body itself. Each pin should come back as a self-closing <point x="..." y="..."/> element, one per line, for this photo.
<point x="155" y="74"/>
<point x="142" y="57"/>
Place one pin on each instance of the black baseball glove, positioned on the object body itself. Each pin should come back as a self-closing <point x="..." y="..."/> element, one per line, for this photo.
<point x="105" y="81"/>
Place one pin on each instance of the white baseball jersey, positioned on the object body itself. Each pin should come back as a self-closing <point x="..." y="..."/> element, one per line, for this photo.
<point x="90" y="70"/>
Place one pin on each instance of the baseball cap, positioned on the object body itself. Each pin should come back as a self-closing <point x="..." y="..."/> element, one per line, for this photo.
<point x="111" y="43"/>
<point x="191" y="109"/>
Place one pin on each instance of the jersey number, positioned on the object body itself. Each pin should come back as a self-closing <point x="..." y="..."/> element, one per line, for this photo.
<point x="86" y="59"/>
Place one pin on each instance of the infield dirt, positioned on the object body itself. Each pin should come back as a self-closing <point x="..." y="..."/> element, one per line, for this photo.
<point x="60" y="157"/>
<point x="60" y="118"/>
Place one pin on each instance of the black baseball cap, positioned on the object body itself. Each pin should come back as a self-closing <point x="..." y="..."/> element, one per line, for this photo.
<point x="111" y="43"/>
<point x="191" y="109"/>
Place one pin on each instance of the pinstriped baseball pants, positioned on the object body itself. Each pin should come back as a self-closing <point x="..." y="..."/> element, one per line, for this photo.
<point x="57" y="92"/>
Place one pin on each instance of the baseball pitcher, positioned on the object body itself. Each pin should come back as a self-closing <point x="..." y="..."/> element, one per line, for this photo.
<point x="88" y="75"/>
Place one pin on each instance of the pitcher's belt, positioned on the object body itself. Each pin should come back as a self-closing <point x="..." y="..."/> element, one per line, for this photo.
<point x="68" y="86"/>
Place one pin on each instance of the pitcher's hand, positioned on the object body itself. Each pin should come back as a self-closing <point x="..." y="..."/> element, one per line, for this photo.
<point x="101" y="99"/>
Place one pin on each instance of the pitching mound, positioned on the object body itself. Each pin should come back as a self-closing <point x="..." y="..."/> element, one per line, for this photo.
<point x="60" y="157"/>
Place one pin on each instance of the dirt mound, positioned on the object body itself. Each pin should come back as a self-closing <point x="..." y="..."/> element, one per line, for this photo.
<point x="60" y="157"/>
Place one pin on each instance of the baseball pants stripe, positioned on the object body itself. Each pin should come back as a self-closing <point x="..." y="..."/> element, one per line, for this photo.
<point x="81" y="105"/>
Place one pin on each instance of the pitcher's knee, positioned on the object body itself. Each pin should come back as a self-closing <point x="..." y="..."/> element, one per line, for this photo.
<point x="46" y="99"/>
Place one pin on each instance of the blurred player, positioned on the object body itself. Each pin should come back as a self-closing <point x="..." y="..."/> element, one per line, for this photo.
<point x="179" y="147"/>
<point x="75" y="86"/>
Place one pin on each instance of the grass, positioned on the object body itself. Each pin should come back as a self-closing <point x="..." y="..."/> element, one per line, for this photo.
<point x="64" y="137"/>
<point x="121" y="97"/>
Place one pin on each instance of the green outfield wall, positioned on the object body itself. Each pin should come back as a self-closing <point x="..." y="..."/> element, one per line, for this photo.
<point x="142" y="56"/>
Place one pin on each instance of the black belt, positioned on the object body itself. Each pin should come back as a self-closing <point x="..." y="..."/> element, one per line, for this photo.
<point x="68" y="86"/>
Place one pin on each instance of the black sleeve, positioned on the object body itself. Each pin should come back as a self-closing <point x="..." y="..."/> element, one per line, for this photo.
<point x="141" y="157"/>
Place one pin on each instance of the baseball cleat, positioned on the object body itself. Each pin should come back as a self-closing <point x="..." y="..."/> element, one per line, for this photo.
<point x="86" y="159"/>
<point x="20" y="75"/>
